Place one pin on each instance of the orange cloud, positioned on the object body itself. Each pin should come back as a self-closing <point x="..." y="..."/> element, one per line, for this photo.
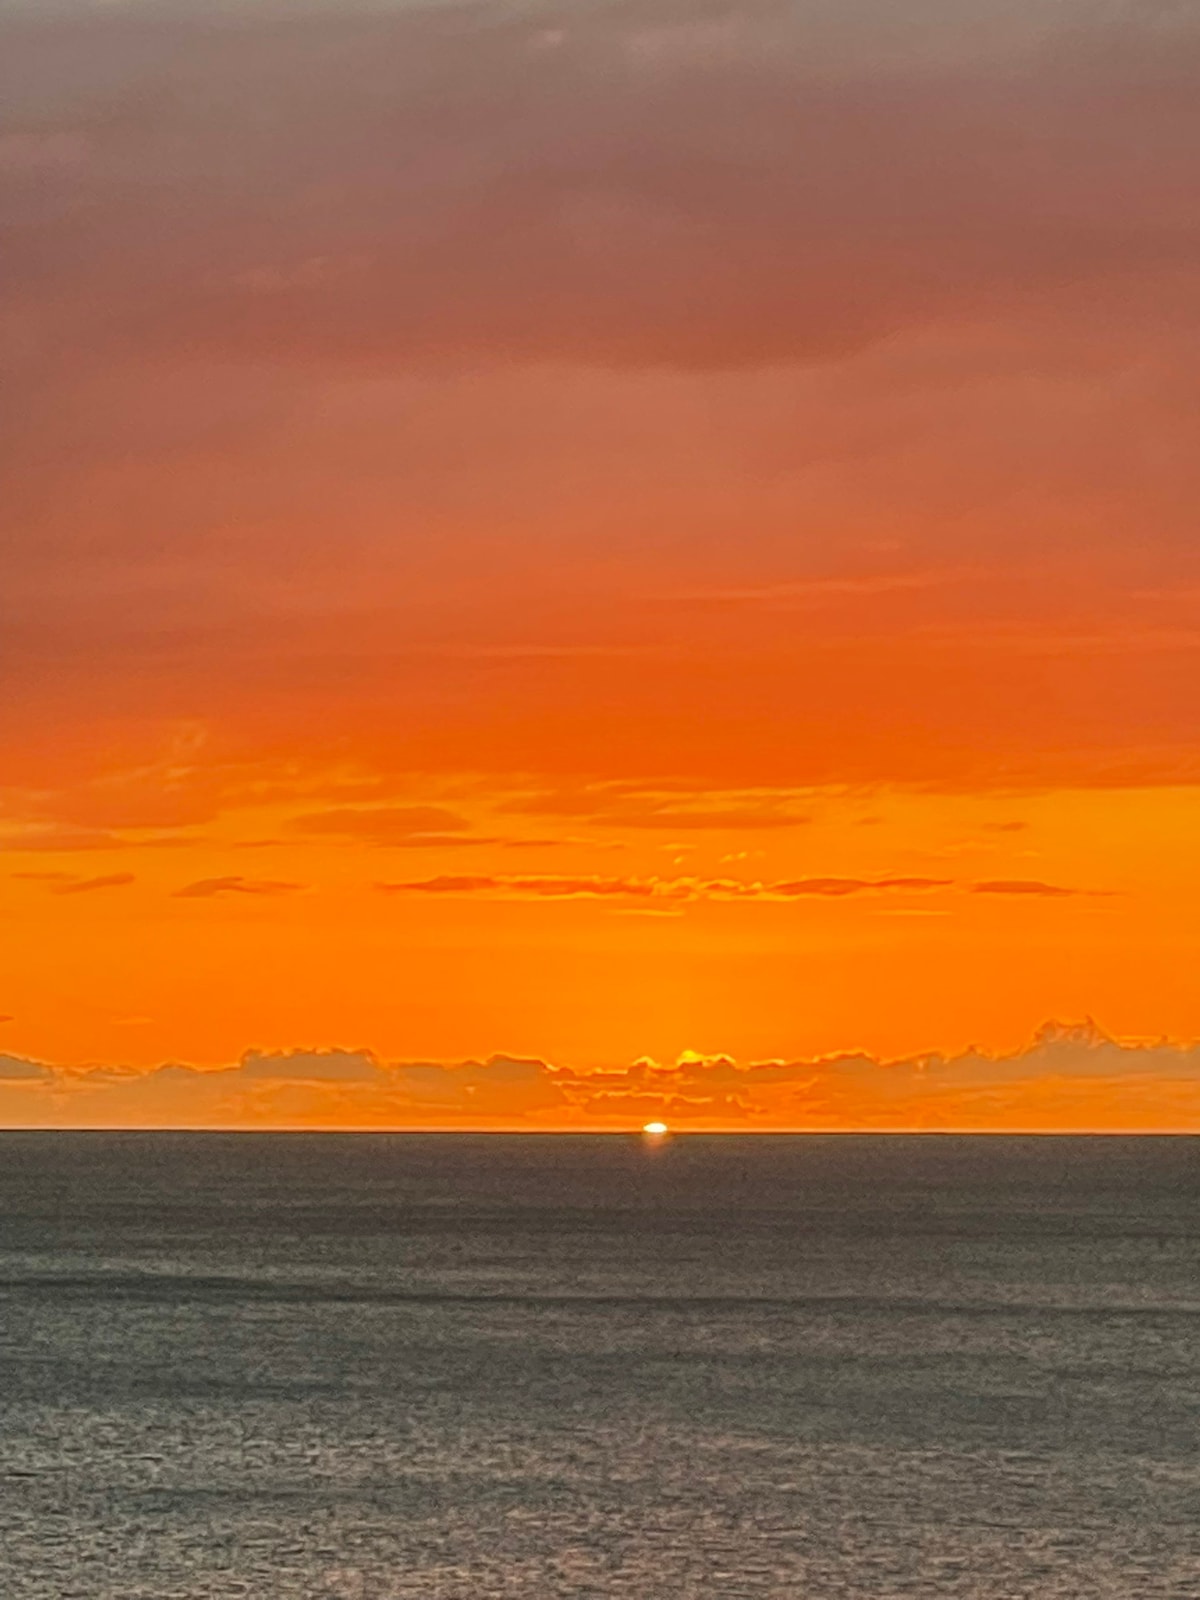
<point x="206" y="888"/>
<point x="680" y="808"/>
<point x="659" y="888"/>
<point x="1021" y="886"/>
<point x="57" y="841"/>
<point x="418" y="826"/>
<point x="1066" y="1077"/>
<point x="111" y="880"/>
<point x="836" y="887"/>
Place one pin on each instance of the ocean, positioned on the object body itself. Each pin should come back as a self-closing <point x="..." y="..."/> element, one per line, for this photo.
<point x="358" y="1367"/>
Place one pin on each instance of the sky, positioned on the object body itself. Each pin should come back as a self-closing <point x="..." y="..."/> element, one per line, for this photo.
<point x="580" y="562"/>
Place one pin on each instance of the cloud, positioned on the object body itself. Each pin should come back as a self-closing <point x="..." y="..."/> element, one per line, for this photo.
<point x="15" y="1069"/>
<point x="868" y="585"/>
<point x="409" y="826"/>
<point x="445" y="883"/>
<point x="1022" y="886"/>
<point x="1068" y="1076"/>
<point x="312" y="1066"/>
<point x="585" y="202"/>
<point x="206" y="888"/>
<point x="293" y="261"/>
<point x="33" y="152"/>
<point x="679" y="810"/>
<point x="112" y="880"/>
<point x="549" y="844"/>
<point x="572" y="888"/>
<point x="53" y="840"/>
<point x="837" y="887"/>
<point x="675" y="819"/>
<point x="565" y="888"/>
<point x="548" y="887"/>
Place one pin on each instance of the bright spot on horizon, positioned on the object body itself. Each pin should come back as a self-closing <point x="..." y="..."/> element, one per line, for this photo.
<point x="655" y="1129"/>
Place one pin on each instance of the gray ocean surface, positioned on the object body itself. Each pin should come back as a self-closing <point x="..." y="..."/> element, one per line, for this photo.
<point x="457" y="1368"/>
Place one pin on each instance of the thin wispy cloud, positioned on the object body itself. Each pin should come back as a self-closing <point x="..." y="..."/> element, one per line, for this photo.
<point x="111" y="880"/>
<point x="209" y="888"/>
<point x="800" y="592"/>
<point x="681" y="888"/>
<point x="1023" y="886"/>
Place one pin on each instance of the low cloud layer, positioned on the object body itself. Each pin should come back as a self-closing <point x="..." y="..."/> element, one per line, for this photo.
<point x="548" y="887"/>
<point x="1068" y="1077"/>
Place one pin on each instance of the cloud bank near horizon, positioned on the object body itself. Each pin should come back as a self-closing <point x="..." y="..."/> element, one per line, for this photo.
<point x="1069" y="1077"/>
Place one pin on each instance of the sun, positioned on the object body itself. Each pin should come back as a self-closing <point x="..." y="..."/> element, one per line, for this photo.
<point x="655" y="1130"/>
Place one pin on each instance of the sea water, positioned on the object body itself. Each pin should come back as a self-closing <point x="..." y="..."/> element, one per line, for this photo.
<point x="346" y="1367"/>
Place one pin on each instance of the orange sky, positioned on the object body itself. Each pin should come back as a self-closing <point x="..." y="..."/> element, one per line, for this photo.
<point x="585" y="533"/>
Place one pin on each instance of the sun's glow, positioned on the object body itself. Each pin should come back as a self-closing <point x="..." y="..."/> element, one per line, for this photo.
<point x="744" y="707"/>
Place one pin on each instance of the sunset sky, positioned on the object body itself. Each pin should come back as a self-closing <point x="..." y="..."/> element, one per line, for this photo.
<point x="566" y="563"/>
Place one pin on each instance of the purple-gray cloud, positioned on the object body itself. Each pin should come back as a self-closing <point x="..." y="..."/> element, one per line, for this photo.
<point x="617" y="184"/>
